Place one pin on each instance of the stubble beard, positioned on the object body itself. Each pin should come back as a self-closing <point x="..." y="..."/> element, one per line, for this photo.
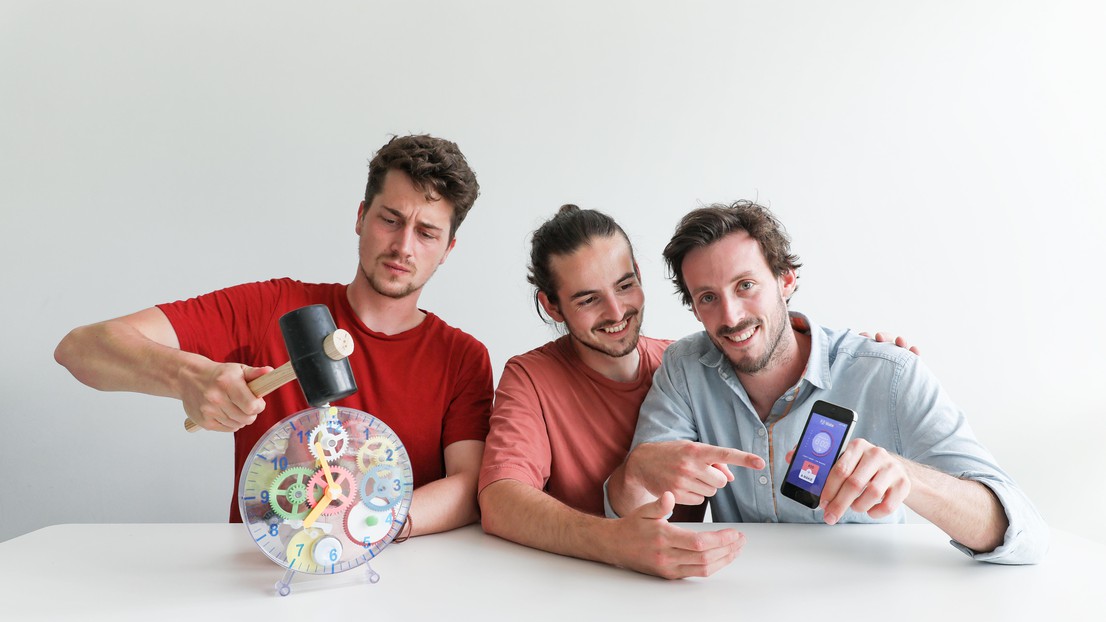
<point x="772" y="351"/>
<point x="390" y="289"/>
<point x="634" y="320"/>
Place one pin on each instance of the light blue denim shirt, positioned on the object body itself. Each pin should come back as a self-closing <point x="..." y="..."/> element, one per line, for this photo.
<point x="900" y="406"/>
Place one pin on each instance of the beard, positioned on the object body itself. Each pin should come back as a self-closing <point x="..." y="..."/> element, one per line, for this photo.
<point x="616" y="350"/>
<point x="772" y="350"/>
<point x="392" y="287"/>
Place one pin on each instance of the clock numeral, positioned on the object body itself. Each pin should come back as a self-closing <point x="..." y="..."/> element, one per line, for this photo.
<point x="279" y="464"/>
<point x="274" y="530"/>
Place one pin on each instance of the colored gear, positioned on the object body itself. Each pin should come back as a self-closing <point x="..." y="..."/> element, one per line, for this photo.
<point x="378" y="491"/>
<point x="343" y="479"/>
<point x="375" y="451"/>
<point x="288" y="493"/>
<point x="332" y="436"/>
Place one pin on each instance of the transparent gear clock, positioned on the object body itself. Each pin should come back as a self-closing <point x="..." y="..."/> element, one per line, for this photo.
<point x="324" y="491"/>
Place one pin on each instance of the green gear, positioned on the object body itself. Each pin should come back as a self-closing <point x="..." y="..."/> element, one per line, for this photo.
<point x="294" y="494"/>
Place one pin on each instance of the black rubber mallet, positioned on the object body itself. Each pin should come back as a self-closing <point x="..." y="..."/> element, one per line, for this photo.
<point x="317" y="352"/>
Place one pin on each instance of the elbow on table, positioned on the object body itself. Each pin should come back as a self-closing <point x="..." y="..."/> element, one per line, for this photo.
<point x="1026" y="546"/>
<point x="490" y="502"/>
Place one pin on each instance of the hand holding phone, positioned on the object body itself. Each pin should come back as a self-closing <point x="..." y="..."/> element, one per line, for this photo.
<point x="824" y="436"/>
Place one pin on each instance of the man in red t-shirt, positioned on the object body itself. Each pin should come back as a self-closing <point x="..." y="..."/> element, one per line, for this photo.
<point x="431" y="383"/>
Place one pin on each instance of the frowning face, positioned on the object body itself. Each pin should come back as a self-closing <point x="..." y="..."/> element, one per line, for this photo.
<point x="404" y="237"/>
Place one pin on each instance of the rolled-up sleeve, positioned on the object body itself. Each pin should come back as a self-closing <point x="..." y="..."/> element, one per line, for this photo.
<point x="936" y="433"/>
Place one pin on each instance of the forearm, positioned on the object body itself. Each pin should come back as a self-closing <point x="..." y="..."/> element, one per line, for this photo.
<point x="116" y="356"/>
<point x="642" y="541"/>
<point x="521" y="513"/>
<point x="445" y="504"/>
<point x="450" y="502"/>
<point x="968" y="511"/>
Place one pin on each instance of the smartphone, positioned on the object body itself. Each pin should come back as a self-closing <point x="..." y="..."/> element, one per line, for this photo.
<point x="824" y="436"/>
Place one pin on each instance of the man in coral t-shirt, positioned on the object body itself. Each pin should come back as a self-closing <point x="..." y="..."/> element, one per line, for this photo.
<point x="205" y="350"/>
<point x="565" y="413"/>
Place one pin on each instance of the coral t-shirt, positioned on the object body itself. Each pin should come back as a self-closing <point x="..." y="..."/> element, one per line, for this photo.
<point x="562" y="427"/>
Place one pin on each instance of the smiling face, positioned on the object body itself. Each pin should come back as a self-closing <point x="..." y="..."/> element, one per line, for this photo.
<point x="740" y="302"/>
<point x="599" y="297"/>
<point x="404" y="237"/>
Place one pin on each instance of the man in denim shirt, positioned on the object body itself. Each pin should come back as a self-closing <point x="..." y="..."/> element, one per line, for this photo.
<point x="723" y="397"/>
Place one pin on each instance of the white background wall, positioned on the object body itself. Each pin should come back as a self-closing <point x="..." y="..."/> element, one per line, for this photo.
<point x="939" y="165"/>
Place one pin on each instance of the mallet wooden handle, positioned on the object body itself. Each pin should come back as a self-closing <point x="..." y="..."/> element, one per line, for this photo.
<point x="264" y="385"/>
<point x="337" y="345"/>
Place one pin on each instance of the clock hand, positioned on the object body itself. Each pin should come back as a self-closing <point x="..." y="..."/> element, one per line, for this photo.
<point x="325" y="467"/>
<point x="319" y="507"/>
<point x="331" y="492"/>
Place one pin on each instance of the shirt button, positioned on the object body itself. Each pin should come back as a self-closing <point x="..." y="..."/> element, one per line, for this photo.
<point x="763" y="479"/>
<point x="760" y="432"/>
<point x="789" y="397"/>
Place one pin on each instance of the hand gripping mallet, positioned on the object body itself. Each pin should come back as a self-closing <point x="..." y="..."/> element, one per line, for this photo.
<point x="317" y="352"/>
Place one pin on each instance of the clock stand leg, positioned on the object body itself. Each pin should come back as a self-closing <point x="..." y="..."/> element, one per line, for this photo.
<point x="283" y="587"/>
<point x="374" y="576"/>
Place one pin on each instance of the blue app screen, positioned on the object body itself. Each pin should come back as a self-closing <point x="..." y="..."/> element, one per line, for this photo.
<point x="816" y="453"/>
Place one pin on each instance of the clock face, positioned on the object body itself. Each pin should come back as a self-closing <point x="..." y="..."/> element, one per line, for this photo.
<point x="326" y="490"/>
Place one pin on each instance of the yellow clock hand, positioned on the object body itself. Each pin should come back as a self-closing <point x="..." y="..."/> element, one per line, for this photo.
<point x="331" y="492"/>
<point x="319" y="507"/>
<point x="322" y="463"/>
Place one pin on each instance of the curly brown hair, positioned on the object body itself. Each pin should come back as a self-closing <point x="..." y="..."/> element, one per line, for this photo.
<point x="704" y="226"/>
<point x="435" y="165"/>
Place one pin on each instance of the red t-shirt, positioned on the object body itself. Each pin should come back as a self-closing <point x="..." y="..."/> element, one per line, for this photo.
<point x="432" y="384"/>
<point x="562" y="427"/>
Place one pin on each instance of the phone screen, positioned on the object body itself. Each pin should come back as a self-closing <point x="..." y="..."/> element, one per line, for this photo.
<point x="816" y="453"/>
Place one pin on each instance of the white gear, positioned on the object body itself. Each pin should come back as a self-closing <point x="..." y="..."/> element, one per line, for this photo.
<point x="333" y="438"/>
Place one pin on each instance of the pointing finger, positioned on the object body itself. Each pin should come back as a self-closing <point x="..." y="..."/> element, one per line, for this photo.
<point x="736" y="457"/>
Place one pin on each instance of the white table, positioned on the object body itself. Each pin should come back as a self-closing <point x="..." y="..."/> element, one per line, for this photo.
<point x="211" y="572"/>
